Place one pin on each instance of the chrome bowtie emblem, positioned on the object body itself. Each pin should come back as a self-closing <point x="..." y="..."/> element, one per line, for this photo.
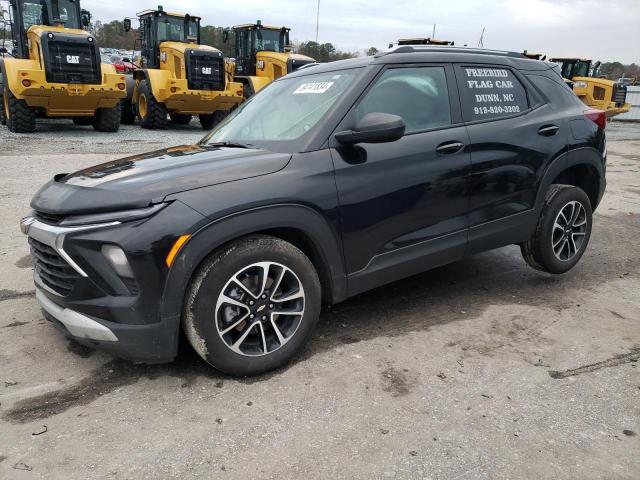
<point x="260" y="308"/>
<point x="25" y="223"/>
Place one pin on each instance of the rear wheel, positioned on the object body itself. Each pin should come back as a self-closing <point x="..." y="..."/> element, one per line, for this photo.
<point x="180" y="118"/>
<point x="19" y="116"/>
<point x="152" y="114"/>
<point x="83" y="120"/>
<point x="127" y="113"/>
<point x="563" y="231"/>
<point x="210" y="121"/>
<point x="252" y="305"/>
<point x="107" y="119"/>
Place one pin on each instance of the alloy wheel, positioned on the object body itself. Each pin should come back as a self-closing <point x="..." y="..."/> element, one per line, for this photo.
<point x="260" y="309"/>
<point x="569" y="230"/>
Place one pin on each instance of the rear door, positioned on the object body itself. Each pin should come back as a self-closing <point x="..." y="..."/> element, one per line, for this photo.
<point x="513" y="135"/>
<point x="403" y="205"/>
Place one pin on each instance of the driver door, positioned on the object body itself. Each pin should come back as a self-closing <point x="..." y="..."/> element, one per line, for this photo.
<point x="404" y="204"/>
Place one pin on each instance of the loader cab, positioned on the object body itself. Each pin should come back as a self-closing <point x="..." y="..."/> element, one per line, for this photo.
<point x="575" y="67"/>
<point x="254" y="38"/>
<point x="158" y="26"/>
<point x="54" y="13"/>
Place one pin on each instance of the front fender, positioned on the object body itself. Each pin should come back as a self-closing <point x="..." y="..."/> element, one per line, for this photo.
<point x="301" y="218"/>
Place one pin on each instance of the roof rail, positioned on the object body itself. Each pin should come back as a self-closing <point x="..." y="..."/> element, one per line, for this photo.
<point x="448" y="49"/>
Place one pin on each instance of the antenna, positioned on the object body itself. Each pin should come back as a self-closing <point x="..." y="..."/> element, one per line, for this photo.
<point x="481" y="41"/>
<point x="434" y="31"/>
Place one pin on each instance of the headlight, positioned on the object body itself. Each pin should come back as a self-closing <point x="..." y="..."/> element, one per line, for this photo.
<point x="580" y="85"/>
<point x="111" y="217"/>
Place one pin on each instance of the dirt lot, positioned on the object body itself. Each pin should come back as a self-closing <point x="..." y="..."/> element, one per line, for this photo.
<point x="482" y="369"/>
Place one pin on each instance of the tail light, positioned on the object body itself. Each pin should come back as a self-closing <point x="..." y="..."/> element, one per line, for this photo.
<point x="598" y="117"/>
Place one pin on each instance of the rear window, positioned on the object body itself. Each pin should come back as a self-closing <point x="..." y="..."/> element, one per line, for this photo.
<point x="488" y="92"/>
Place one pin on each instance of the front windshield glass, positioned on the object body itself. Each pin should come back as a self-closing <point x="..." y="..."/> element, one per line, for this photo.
<point x="286" y="111"/>
<point x="171" y="29"/>
<point x="269" y="41"/>
<point x="41" y="13"/>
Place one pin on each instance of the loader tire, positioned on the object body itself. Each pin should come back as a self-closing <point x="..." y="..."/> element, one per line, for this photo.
<point x="128" y="114"/>
<point x="107" y="119"/>
<point x="3" y="115"/>
<point x="180" y="118"/>
<point x="210" y="121"/>
<point x="20" y="117"/>
<point x="152" y="114"/>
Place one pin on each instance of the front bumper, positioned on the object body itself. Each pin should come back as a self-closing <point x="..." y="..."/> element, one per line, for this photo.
<point x="96" y="307"/>
<point x="178" y="97"/>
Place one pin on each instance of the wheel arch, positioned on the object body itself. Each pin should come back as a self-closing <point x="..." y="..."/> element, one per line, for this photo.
<point x="583" y="168"/>
<point x="300" y="225"/>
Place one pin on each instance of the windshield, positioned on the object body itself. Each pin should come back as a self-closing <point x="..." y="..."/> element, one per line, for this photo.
<point x="171" y="29"/>
<point x="42" y="13"/>
<point x="578" y="68"/>
<point x="285" y="111"/>
<point x="269" y="41"/>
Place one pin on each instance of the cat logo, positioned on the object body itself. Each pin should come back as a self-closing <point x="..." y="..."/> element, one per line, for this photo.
<point x="206" y="70"/>
<point x="73" y="59"/>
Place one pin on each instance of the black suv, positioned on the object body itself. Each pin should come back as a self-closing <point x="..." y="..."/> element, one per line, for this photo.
<point x="331" y="181"/>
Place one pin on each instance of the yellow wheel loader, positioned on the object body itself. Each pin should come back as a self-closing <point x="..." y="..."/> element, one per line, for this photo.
<point x="263" y="54"/>
<point x="179" y="77"/>
<point x="595" y="92"/>
<point x="55" y="70"/>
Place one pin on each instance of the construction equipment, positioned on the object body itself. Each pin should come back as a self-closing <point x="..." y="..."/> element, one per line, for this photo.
<point x="263" y="54"/>
<point x="534" y="56"/>
<point x="601" y="93"/>
<point x="55" y="69"/>
<point x="423" y="41"/>
<point x="179" y="76"/>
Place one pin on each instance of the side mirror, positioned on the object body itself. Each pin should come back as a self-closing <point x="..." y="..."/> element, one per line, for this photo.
<point x="225" y="36"/>
<point x="374" y="128"/>
<point x="85" y="18"/>
<point x="127" y="24"/>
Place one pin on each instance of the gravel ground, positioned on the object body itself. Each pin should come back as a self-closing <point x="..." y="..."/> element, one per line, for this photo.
<point x="484" y="369"/>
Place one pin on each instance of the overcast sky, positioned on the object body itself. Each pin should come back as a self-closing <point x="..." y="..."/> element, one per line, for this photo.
<point x="605" y="30"/>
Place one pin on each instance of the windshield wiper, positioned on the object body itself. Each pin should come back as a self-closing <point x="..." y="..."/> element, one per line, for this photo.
<point x="230" y="144"/>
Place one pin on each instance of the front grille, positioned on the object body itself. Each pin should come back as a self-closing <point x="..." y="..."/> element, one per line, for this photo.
<point x="52" y="269"/>
<point x="619" y="95"/>
<point x="71" y="59"/>
<point x="205" y="70"/>
<point x="49" y="218"/>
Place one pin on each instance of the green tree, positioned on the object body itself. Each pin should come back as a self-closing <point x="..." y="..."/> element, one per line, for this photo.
<point x="213" y="36"/>
<point x="372" y="51"/>
<point x="112" y="35"/>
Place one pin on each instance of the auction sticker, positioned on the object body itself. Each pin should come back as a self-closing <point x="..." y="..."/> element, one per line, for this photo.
<point x="315" y="87"/>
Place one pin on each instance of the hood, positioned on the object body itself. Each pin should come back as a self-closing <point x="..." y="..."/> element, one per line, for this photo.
<point x="138" y="181"/>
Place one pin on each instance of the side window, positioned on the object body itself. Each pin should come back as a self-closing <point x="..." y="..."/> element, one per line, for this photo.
<point x="418" y="94"/>
<point x="488" y="92"/>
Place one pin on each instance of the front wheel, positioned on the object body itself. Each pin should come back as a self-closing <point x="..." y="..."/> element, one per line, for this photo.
<point x="252" y="305"/>
<point x="563" y="231"/>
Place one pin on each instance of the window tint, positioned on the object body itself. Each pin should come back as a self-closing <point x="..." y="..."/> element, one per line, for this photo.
<point x="558" y="92"/>
<point x="490" y="92"/>
<point x="419" y="95"/>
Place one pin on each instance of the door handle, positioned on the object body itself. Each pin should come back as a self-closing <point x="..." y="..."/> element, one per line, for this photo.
<point x="548" y="130"/>
<point x="447" y="148"/>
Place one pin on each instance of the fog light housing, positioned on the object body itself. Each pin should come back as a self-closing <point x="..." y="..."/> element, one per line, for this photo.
<point x="26" y="83"/>
<point x="118" y="260"/>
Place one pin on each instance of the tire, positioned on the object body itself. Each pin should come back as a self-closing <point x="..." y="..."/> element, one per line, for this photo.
<point x="3" y="116"/>
<point x="20" y="117"/>
<point x="152" y="114"/>
<point x="107" y="119"/>
<point x="210" y="121"/>
<point x="206" y="313"/>
<point x="180" y="118"/>
<point x="127" y="113"/>
<point x="83" y="120"/>
<point x="247" y="92"/>
<point x="559" y="242"/>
